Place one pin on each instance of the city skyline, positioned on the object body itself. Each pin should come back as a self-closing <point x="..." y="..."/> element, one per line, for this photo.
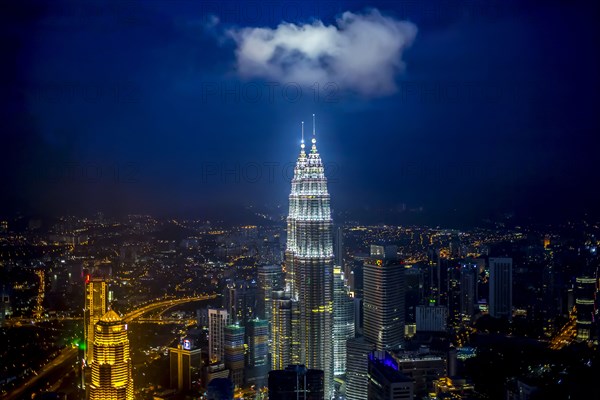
<point x="172" y="229"/>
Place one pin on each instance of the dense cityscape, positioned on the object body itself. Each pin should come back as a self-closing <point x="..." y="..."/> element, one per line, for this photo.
<point x="315" y="200"/>
<point x="501" y="311"/>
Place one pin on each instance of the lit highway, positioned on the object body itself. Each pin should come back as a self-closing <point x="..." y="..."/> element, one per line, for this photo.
<point x="567" y="333"/>
<point x="66" y="357"/>
<point x="137" y="313"/>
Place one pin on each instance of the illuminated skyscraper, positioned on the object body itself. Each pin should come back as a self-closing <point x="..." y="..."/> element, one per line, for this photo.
<point x="185" y="364"/>
<point x="468" y="290"/>
<point x="241" y="300"/>
<point x="235" y="353"/>
<point x="270" y="278"/>
<point x="96" y="305"/>
<point x="111" y="365"/>
<point x="343" y="321"/>
<point x="218" y="319"/>
<point x="309" y="261"/>
<point x="281" y="330"/>
<point x="383" y="303"/>
<point x="257" y="357"/>
<point x="585" y="290"/>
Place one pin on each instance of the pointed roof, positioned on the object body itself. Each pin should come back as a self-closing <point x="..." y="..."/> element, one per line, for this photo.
<point x="110" y="316"/>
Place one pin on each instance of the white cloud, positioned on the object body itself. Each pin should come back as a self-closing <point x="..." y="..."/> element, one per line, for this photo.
<point x="361" y="53"/>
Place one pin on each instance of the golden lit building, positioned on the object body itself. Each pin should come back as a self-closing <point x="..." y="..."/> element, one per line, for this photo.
<point x="96" y="305"/>
<point x="111" y="368"/>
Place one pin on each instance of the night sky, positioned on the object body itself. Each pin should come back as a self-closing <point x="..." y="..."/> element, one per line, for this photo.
<point x="461" y="110"/>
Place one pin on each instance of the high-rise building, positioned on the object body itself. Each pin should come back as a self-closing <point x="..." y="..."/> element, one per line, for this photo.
<point x="96" y="305"/>
<point x="585" y="292"/>
<point x="241" y="301"/>
<point x="386" y="382"/>
<point x="218" y="319"/>
<point x="281" y="330"/>
<point x="357" y="367"/>
<point x="309" y="261"/>
<point x="343" y="321"/>
<point x="296" y="382"/>
<point x="235" y="353"/>
<point x="501" y="287"/>
<point x="383" y="299"/>
<point x="270" y="278"/>
<point x="185" y="362"/>
<point x="468" y="290"/>
<point x="111" y="365"/>
<point x="257" y="357"/>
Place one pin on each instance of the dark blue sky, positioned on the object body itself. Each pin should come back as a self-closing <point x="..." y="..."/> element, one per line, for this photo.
<point x="136" y="106"/>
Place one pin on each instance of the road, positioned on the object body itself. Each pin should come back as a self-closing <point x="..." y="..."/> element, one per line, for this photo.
<point x="66" y="357"/>
<point x="566" y="334"/>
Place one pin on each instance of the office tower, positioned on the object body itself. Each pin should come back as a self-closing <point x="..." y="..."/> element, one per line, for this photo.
<point x="235" y="353"/>
<point x="431" y="318"/>
<point x="501" y="287"/>
<point x="257" y="357"/>
<point x="296" y="382"/>
<point x="383" y="299"/>
<point x="96" y="305"/>
<point x="218" y="319"/>
<point x="185" y="362"/>
<point x="281" y="330"/>
<point x="309" y="262"/>
<point x="241" y="301"/>
<point x="343" y="321"/>
<point x="220" y="389"/>
<point x="270" y="278"/>
<point x="386" y="382"/>
<point x="585" y="292"/>
<point x="111" y="365"/>
<point x="357" y="368"/>
<point x="468" y="290"/>
<point x="435" y="273"/>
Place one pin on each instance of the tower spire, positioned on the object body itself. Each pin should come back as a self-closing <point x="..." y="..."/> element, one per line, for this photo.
<point x="302" y="141"/>
<point x="313" y="148"/>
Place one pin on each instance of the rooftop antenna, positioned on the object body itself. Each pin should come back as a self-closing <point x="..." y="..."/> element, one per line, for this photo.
<point x="313" y="124"/>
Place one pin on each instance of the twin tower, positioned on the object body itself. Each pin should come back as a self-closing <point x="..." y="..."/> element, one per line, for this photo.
<point x="309" y="262"/>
